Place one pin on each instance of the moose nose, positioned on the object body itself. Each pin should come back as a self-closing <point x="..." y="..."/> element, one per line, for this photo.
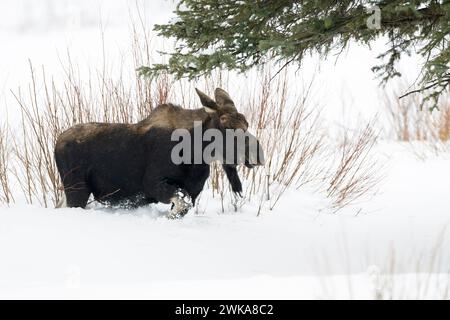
<point x="254" y="154"/>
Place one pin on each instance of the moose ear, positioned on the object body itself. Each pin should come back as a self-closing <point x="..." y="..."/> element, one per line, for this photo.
<point x="223" y="98"/>
<point x="209" y="104"/>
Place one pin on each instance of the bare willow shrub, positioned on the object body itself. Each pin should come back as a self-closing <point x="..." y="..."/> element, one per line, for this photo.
<point x="441" y="122"/>
<point x="6" y="196"/>
<point x="411" y="122"/>
<point x="356" y="172"/>
<point x="291" y="136"/>
<point x="299" y="151"/>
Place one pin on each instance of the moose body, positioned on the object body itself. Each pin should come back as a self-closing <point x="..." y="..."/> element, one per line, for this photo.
<point x="131" y="165"/>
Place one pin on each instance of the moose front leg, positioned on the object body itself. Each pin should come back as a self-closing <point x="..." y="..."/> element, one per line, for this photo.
<point x="181" y="203"/>
<point x="163" y="191"/>
<point x="233" y="178"/>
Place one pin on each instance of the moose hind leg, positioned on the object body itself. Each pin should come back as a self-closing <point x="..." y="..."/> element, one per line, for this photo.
<point x="77" y="199"/>
<point x="77" y="194"/>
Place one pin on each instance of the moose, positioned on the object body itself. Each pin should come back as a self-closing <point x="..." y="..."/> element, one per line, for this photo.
<point x="131" y="165"/>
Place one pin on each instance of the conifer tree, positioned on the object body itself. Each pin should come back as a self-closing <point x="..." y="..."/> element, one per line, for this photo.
<point x="239" y="35"/>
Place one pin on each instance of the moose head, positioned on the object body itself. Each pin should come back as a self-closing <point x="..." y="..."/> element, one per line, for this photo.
<point x="239" y="145"/>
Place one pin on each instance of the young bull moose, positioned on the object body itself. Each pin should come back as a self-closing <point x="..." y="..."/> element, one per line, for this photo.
<point x="132" y="164"/>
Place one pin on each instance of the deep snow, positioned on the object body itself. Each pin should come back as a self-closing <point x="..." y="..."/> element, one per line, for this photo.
<point x="298" y="250"/>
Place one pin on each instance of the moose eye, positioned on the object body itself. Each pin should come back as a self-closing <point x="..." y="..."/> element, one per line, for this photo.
<point x="223" y="119"/>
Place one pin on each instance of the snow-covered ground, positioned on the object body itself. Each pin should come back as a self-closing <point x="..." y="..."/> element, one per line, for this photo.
<point x="298" y="250"/>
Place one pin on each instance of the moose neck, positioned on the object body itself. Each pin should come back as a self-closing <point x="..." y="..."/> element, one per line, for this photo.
<point x="198" y="141"/>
